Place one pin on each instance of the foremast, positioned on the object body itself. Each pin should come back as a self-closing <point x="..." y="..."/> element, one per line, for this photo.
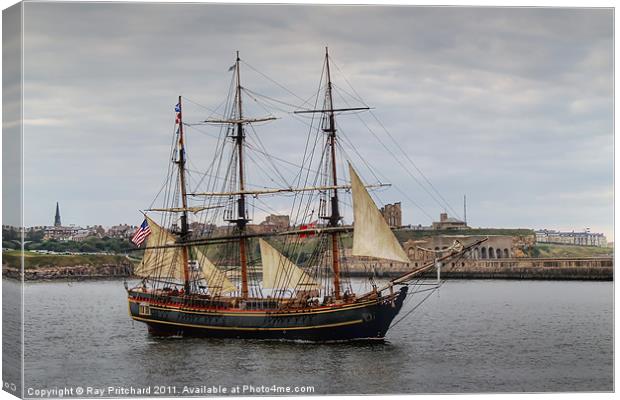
<point x="241" y="214"/>
<point x="334" y="217"/>
<point x="182" y="181"/>
<point x="241" y="219"/>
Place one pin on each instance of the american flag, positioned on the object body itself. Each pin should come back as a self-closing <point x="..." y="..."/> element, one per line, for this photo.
<point x="143" y="231"/>
<point x="177" y="109"/>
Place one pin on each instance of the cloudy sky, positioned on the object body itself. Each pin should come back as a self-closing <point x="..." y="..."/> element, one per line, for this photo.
<point x="510" y="106"/>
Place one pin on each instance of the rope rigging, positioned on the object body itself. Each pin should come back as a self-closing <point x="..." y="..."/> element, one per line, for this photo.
<point x="224" y="168"/>
<point x="399" y="147"/>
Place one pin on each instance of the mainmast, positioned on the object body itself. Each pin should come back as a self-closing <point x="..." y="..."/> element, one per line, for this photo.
<point x="241" y="215"/>
<point x="184" y="226"/>
<point x="335" y="217"/>
<point x="239" y="136"/>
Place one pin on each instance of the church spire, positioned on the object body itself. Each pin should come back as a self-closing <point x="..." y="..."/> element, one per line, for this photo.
<point x="57" y="217"/>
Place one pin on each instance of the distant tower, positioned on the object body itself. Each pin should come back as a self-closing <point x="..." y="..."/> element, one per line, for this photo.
<point x="57" y="217"/>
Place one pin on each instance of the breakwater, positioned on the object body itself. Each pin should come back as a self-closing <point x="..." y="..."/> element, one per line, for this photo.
<point x="588" y="268"/>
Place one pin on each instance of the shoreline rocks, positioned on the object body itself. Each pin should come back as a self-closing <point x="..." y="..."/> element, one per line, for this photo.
<point x="77" y="272"/>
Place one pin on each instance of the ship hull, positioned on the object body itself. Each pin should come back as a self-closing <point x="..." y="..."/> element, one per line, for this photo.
<point x="355" y="321"/>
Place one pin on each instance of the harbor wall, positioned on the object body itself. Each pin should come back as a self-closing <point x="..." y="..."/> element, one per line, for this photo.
<point x="594" y="268"/>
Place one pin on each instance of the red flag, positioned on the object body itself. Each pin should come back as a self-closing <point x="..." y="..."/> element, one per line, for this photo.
<point x="311" y="225"/>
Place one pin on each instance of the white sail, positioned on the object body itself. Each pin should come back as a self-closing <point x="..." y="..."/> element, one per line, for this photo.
<point x="163" y="262"/>
<point x="279" y="272"/>
<point x="372" y="236"/>
<point x="216" y="279"/>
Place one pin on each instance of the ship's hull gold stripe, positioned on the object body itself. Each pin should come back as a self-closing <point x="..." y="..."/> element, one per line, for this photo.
<point x="236" y="328"/>
<point x="256" y="314"/>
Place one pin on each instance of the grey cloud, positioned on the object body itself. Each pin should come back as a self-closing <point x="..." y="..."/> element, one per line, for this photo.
<point x="512" y="106"/>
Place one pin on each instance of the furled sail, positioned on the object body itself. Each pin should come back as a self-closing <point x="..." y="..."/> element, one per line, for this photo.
<point x="162" y="262"/>
<point x="216" y="279"/>
<point x="372" y="236"/>
<point x="279" y="272"/>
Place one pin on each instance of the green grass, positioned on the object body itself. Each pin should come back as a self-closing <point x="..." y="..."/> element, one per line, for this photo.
<point x="36" y="260"/>
<point x="559" y="250"/>
<point x="407" y="234"/>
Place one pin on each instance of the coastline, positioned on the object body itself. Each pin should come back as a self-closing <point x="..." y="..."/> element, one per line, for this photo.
<point x="584" y="269"/>
<point x="558" y="275"/>
<point x="69" y="273"/>
<point x="562" y="268"/>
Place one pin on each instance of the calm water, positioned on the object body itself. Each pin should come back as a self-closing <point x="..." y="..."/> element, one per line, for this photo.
<point x="471" y="336"/>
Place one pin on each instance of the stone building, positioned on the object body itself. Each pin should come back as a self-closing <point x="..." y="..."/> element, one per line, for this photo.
<point x="81" y="235"/>
<point x="393" y="215"/>
<point x="278" y="222"/>
<point x="62" y="233"/>
<point x="427" y="248"/>
<point x="448" y="223"/>
<point x="272" y="223"/>
<point x="199" y="229"/>
<point x="571" y="238"/>
<point x="122" y="231"/>
<point x="96" y="230"/>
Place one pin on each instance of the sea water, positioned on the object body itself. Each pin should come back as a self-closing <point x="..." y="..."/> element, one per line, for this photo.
<point x="469" y="336"/>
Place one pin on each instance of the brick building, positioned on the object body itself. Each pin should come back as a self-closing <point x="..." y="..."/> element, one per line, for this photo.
<point x="393" y="215"/>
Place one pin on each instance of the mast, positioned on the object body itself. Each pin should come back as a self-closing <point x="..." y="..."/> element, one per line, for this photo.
<point x="239" y="136"/>
<point x="335" y="217"/>
<point x="241" y="217"/>
<point x="184" y="226"/>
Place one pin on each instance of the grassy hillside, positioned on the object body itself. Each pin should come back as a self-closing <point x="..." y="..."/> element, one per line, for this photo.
<point x="407" y="234"/>
<point x="36" y="260"/>
<point x="558" y="250"/>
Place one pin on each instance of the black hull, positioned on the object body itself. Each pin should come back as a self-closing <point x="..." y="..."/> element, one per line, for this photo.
<point x="360" y="320"/>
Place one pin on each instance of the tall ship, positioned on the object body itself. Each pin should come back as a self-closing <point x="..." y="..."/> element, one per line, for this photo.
<point x="199" y="278"/>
